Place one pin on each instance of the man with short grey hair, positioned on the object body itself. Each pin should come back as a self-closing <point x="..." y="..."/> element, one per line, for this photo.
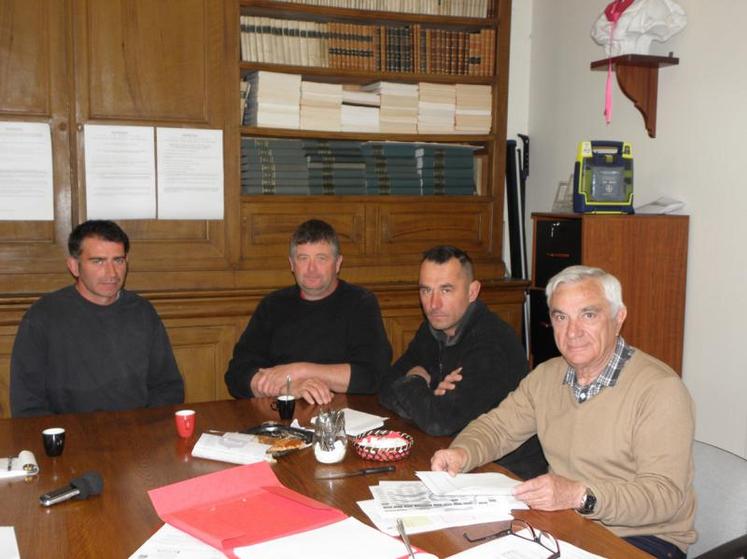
<point x="616" y="424"/>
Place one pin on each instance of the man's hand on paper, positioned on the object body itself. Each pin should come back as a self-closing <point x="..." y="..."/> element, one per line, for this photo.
<point x="550" y="492"/>
<point x="450" y="460"/>
<point x="449" y="382"/>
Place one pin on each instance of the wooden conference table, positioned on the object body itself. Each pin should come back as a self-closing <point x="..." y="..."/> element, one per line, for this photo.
<point x="139" y="450"/>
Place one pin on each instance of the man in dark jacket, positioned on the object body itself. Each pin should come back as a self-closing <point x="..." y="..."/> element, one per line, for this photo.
<point x="463" y="360"/>
<point x="320" y="336"/>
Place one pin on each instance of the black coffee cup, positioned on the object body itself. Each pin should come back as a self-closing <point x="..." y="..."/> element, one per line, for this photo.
<point x="285" y="404"/>
<point x="54" y="441"/>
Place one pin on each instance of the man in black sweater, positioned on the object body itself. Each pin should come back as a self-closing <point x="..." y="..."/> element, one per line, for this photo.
<point x="323" y="333"/>
<point x="93" y="345"/>
<point x="463" y="360"/>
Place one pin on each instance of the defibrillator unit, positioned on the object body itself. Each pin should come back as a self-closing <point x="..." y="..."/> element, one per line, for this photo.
<point x="603" y="178"/>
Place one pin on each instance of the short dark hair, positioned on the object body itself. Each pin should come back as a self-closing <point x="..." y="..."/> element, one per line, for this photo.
<point x="99" y="228"/>
<point x="441" y="254"/>
<point x="315" y="231"/>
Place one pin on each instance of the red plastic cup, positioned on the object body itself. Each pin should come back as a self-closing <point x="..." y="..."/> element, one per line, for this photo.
<point x="185" y="423"/>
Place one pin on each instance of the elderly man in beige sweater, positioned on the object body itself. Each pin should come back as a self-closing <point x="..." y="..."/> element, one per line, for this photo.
<point x="616" y="424"/>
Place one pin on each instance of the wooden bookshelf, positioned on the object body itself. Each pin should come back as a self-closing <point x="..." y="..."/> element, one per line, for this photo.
<point x="488" y="204"/>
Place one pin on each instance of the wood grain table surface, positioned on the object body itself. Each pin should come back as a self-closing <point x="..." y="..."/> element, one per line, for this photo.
<point x="139" y="450"/>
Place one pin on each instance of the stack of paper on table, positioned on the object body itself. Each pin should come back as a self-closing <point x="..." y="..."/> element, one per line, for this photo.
<point x="347" y="538"/>
<point x="423" y="511"/>
<point x="488" y="483"/>
<point x="357" y="422"/>
<point x="238" y="507"/>
<point x="236" y="448"/>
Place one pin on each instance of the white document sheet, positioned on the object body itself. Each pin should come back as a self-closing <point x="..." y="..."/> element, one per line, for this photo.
<point x="8" y="543"/>
<point x="26" y="185"/>
<point x="417" y="523"/>
<point x="512" y="547"/>
<point x="171" y="543"/>
<point x="347" y="538"/>
<point x="413" y="498"/>
<point x="488" y="483"/>
<point x="120" y="172"/>
<point x="190" y="173"/>
<point x="358" y="422"/>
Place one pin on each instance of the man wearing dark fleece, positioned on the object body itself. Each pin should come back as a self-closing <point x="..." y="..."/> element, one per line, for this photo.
<point x="323" y="334"/>
<point x="93" y="345"/>
<point x="463" y="360"/>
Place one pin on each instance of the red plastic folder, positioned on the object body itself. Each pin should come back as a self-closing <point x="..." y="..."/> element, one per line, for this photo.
<point x="239" y="506"/>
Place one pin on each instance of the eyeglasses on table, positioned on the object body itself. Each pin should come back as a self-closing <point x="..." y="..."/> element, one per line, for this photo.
<point x="525" y="531"/>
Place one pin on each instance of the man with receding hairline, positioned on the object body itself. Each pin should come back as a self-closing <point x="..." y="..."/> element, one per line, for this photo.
<point x="462" y="361"/>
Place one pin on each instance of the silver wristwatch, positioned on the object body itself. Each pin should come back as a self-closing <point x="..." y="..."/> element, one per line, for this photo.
<point x="588" y="503"/>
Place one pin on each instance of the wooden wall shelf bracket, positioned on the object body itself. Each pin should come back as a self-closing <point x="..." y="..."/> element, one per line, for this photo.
<point x="638" y="76"/>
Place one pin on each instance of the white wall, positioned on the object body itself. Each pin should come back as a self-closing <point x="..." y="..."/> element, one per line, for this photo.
<point x="696" y="157"/>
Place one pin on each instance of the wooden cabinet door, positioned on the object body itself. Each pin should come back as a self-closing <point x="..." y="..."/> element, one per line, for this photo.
<point x="160" y="63"/>
<point x="35" y="87"/>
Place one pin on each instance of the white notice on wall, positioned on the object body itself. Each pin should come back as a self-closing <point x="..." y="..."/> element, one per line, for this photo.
<point x="120" y="172"/>
<point x="190" y="173"/>
<point x="26" y="187"/>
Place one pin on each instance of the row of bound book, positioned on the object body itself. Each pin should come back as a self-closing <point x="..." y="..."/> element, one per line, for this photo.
<point x="340" y="167"/>
<point x="374" y="48"/>
<point x="455" y="8"/>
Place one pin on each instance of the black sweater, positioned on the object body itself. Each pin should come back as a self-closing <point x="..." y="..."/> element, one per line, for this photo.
<point x="345" y="327"/>
<point x="72" y="355"/>
<point x="493" y="362"/>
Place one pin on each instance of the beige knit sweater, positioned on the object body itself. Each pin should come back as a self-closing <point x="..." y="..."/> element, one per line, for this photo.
<point x="631" y="444"/>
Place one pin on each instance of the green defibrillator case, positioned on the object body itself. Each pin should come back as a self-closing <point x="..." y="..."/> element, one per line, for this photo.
<point x="603" y="178"/>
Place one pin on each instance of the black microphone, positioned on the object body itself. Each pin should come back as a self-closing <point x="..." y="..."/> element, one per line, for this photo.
<point x="81" y="487"/>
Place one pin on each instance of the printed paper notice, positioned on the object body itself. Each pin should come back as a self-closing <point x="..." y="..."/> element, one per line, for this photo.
<point x="26" y="191"/>
<point x="120" y="172"/>
<point x="190" y="173"/>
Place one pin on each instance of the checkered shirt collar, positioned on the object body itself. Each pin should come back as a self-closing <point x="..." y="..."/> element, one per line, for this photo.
<point x="608" y="376"/>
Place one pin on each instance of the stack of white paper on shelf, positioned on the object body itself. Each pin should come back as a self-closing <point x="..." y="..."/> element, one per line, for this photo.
<point x="436" y="108"/>
<point x="321" y="106"/>
<point x="399" y="106"/>
<point x="235" y="448"/>
<point x="473" y="108"/>
<point x="354" y="95"/>
<point x="274" y="100"/>
<point x="357" y="118"/>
